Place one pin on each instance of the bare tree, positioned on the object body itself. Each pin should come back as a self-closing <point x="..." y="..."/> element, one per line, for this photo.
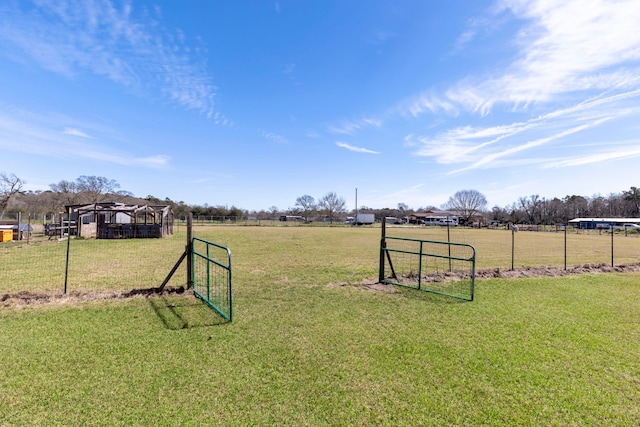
<point x="577" y="206"/>
<point x="499" y="214"/>
<point x="615" y="205"/>
<point x="467" y="203"/>
<point x="67" y="192"/>
<point x="10" y="185"/>
<point x="532" y="207"/>
<point x="307" y="205"/>
<point x="96" y="186"/>
<point x="332" y="205"/>
<point x="273" y="210"/>
<point x="598" y="206"/>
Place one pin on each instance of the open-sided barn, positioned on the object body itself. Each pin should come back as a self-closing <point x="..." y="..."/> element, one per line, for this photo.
<point x="122" y="221"/>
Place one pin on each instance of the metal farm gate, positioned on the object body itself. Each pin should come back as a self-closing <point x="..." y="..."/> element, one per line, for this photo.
<point x="211" y="276"/>
<point x="445" y="268"/>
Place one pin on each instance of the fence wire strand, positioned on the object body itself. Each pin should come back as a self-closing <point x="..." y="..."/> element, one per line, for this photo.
<point x="38" y="264"/>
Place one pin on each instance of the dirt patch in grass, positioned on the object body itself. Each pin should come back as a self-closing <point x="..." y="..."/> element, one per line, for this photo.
<point x="367" y="285"/>
<point x="516" y="273"/>
<point x="27" y="298"/>
<point x="556" y="271"/>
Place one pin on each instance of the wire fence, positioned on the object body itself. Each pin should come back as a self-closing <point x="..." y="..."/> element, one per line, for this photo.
<point x="558" y="247"/>
<point x="39" y="263"/>
<point x="60" y="265"/>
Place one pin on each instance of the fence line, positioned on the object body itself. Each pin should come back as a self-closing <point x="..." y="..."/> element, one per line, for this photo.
<point x="38" y="265"/>
<point x="93" y="264"/>
<point x="561" y="247"/>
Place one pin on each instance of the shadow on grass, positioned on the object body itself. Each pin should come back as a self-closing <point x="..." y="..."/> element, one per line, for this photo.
<point x="184" y="312"/>
<point x="424" y="295"/>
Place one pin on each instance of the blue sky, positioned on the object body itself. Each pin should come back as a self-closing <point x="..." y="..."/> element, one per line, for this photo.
<point x="255" y="103"/>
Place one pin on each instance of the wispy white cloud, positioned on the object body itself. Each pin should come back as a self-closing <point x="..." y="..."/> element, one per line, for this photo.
<point x="577" y="63"/>
<point x="76" y="132"/>
<point x="126" y="46"/>
<point x="157" y="161"/>
<point x="39" y="135"/>
<point x="220" y="119"/>
<point x="355" y="149"/>
<point x="564" y="48"/>
<point x="603" y="156"/>
<point x="427" y="102"/>
<point x="379" y="37"/>
<point x="480" y="25"/>
<point x="415" y="196"/>
<point x="351" y="127"/>
<point x="484" y="146"/>
<point x="515" y="149"/>
<point x="274" y="137"/>
<point x="289" y="68"/>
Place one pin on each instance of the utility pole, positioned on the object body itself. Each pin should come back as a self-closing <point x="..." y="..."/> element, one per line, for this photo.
<point x="355" y="219"/>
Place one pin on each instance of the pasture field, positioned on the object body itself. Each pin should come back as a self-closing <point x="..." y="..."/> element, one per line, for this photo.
<point x="316" y="342"/>
<point x="352" y="252"/>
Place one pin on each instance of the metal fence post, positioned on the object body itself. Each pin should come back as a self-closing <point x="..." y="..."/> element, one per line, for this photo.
<point x="383" y="245"/>
<point x="66" y="266"/>
<point x="189" y="251"/>
<point x="420" y="266"/>
<point x="565" y="246"/>
<point x="611" y="245"/>
<point x="513" y="246"/>
<point x="449" y="241"/>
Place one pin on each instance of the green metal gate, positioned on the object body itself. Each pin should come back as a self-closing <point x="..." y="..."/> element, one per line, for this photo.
<point x="445" y="268"/>
<point x="211" y="276"/>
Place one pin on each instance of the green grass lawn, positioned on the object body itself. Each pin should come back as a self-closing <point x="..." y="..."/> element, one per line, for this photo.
<point x="311" y="345"/>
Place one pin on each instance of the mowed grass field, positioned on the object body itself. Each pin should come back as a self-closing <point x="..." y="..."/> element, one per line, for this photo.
<point x="312" y="343"/>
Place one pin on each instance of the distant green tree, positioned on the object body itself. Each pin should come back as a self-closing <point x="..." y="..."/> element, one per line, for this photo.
<point x="236" y="213"/>
<point x="632" y="197"/>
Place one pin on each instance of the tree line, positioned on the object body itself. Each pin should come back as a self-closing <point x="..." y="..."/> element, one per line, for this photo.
<point x="540" y="210"/>
<point x="468" y="204"/>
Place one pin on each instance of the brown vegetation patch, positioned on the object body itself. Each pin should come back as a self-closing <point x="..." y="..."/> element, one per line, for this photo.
<point x="497" y="273"/>
<point x="526" y="272"/>
<point x="27" y="298"/>
<point x="368" y="285"/>
<point x="556" y="271"/>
